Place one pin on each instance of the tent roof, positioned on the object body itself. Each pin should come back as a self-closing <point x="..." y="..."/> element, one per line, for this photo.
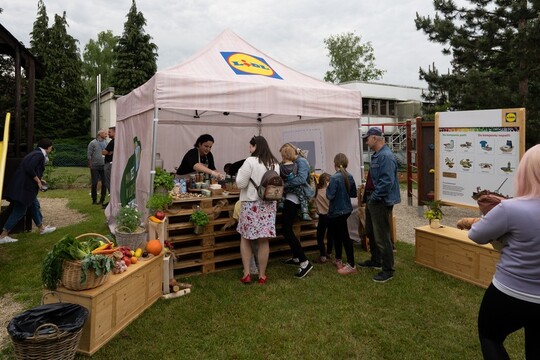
<point x="207" y="83"/>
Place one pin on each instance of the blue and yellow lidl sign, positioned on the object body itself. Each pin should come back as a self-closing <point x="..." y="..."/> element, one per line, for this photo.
<point x="245" y="64"/>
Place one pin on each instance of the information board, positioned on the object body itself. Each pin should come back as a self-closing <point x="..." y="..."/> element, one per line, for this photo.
<point x="477" y="150"/>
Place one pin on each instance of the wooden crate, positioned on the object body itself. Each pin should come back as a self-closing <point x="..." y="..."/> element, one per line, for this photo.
<point x="217" y="249"/>
<point x="115" y="304"/>
<point x="450" y="251"/>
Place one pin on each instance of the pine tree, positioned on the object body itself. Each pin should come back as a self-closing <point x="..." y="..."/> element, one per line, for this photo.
<point x="494" y="46"/>
<point x="350" y="59"/>
<point x="135" y="54"/>
<point x="61" y="111"/>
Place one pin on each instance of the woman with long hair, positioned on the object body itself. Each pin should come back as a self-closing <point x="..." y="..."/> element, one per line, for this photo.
<point x="512" y="300"/>
<point x="340" y="191"/>
<point x="257" y="220"/>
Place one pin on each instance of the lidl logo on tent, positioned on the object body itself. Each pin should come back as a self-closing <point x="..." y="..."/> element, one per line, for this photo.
<point x="245" y="64"/>
<point x="511" y="117"/>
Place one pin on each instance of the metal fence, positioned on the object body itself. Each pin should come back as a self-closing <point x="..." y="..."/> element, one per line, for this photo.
<point x="69" y="155"/>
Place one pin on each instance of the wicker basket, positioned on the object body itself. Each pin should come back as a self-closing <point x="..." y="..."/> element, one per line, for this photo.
<point x="133" y="240"/>
<point x="71" y="272"/>
<point x="56" y="344"/>
<point x="48" y="342"/>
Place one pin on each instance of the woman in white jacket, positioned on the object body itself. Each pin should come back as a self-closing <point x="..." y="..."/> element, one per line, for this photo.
<point x="257" y="221"/>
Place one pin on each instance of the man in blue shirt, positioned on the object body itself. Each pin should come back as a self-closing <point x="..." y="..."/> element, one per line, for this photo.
<point x="380" y="195"/>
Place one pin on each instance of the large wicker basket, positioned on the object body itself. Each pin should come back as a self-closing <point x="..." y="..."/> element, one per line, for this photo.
<point x="72" y="271"/>
<point x="133" y="240"/>
<point x="55" y="344"/>
<point x="48" y="342"/>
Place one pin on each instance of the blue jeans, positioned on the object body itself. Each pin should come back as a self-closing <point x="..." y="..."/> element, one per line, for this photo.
<point x="19" y="211"/>
<point x="378" y="231"/>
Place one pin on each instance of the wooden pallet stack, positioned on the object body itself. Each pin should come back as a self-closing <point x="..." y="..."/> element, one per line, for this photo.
<point x="217" y="249"/>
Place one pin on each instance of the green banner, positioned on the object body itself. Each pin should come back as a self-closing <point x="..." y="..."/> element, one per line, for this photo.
<point x="128" y="184"/>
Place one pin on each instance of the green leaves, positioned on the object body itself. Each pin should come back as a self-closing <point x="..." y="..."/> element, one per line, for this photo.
<point x="350" y="59"/>
<point x="101" y="264"/>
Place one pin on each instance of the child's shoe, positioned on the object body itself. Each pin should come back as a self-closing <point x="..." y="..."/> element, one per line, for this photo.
<point x="338" y="264"/>
<point x="306" y="217"/>
<point x="347" y="269"/>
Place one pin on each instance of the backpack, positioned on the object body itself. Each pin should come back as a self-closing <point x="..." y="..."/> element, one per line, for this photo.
<point x="271" y="187"/>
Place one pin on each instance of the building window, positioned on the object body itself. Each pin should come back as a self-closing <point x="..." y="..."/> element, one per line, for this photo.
<point x="392" y="108"/>
<point x="375" y="107"/>
<point x="365" y="106"/>
<point x="384" y="107"/>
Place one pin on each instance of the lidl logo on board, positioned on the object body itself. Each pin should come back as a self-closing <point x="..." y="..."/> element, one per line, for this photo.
<point x="511" y="117"/>
<point x="245" y="64"/>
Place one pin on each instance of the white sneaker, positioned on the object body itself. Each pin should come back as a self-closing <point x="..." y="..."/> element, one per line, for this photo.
<point x="48" y="229"/>
<point x="6" y="239"/>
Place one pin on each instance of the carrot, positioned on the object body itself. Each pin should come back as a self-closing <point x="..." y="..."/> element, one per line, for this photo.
<point x="104" y="251"/>
<point x="101" y="248"/>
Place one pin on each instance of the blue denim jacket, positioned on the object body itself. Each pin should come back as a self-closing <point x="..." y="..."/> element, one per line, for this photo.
<point x="383" y="172"/>
<point x="340" y="200"/>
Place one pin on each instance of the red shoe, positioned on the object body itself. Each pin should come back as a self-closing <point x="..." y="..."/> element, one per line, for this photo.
<point x="262" y="280"/>
<point x="246" y="279"/>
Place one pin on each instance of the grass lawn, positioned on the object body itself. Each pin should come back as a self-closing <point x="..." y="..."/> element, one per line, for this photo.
<point x="420" y="314"/>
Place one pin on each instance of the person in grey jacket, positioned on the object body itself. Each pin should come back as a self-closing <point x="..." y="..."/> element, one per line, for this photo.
<point x="380" y="195"/>
<point x="512" y="300"/>
<point x="96" y="163"/>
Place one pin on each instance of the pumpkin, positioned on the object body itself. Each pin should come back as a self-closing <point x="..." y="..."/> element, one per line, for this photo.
<point x="154" y="247"/>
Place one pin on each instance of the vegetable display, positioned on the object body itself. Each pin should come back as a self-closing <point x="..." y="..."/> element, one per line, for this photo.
<point x="69" y="248"/>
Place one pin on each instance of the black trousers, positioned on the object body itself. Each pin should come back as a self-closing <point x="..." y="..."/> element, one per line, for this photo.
<point x="288" y="215"/>
<point x="499" y="316"/>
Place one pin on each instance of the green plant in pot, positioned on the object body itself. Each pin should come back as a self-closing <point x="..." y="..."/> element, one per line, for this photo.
<point x="163" y="180"/>
<point x="434" y="212"/>
<point x="158" y="203"/>
<point x="129" y="231"/>
<point x="200" y="219"/>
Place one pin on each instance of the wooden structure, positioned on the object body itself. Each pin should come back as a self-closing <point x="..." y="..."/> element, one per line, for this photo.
<point x="22" y="127"/>
<point x="450" y="251"/>
<point x="115" y="304"/>
<point x="217" y="248"/>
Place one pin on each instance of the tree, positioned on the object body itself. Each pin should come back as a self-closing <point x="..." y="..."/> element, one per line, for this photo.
<point x="350" y="59"/>
<point x="98" y="59"/>
<point x="135" y="55"/>
<point x="61" y="111"/>
<point x="495" y="49"/>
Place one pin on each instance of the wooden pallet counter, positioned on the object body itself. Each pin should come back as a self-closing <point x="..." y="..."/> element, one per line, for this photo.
<point x="450" y="251"/>
<point x="217" y="248"/>
<point x="116" y="303"/>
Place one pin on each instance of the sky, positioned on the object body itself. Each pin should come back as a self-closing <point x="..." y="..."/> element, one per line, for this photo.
<point x="289" y="31"/>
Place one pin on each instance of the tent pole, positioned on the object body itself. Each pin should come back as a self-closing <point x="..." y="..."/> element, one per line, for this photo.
<point x="361" y="149"/>
<point x="154" y="151"/>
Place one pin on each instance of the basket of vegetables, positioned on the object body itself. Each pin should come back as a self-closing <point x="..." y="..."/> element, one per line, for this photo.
<point x="77" y="264"/>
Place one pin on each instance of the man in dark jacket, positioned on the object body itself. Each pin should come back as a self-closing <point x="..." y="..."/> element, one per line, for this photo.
<point x="23" y="189"/>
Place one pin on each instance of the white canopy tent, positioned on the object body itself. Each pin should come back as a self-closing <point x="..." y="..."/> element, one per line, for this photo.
<point x="232" y="91"/>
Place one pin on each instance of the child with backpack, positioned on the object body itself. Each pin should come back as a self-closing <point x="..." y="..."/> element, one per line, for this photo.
<point x="288" y="170"/>
<point x="340" y="191"/>
<point x="322" y="204"/>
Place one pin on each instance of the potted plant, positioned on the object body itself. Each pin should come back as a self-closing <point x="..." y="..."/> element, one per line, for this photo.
<point x="163" y="181"/>
<point x="158" y="203"/>
<point x="200" y="219"/>
<point x="129" y="231"/>
<point x="434" y="213"/>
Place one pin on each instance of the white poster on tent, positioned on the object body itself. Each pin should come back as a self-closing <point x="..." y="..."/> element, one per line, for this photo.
<point x="311" y="140"/>
<point x="477" y="150"/>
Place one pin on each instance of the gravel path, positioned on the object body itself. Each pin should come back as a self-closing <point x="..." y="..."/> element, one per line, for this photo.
<point x="407" y="217"/>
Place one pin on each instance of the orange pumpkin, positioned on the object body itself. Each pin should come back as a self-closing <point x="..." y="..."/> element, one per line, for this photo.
<point x="154" y="247"/>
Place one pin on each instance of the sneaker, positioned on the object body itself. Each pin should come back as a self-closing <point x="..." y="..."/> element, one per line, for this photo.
<point x="383" y="277"/>
<point x="290" y="261"/>
<point x="306" y="217"/>
<point x="320" y="260"/>
<point x="347" y="269"/>
<point x="47" y="230"/>
<point x="338" y="264"/>
<point x="303" y="271"/>
<point x="6" y="239"/>
<point x="370" y="264"/>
